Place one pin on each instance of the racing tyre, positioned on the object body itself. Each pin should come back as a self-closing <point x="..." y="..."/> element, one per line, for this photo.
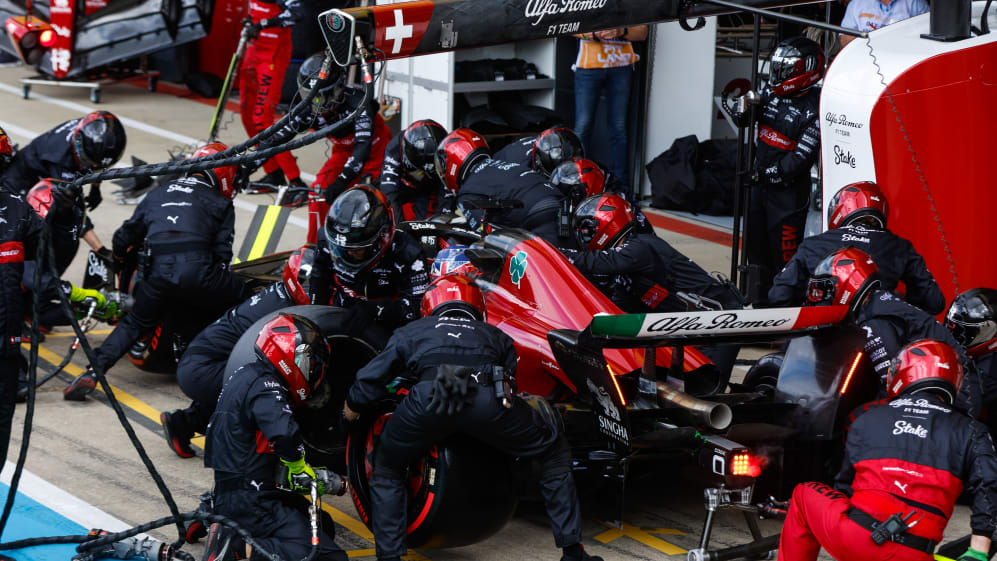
<point x="764" y="375"/>
<point x="460" y="492"/>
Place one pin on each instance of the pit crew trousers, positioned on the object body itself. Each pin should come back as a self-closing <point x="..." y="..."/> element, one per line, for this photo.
<point x="776" y="222"/>
<point x="518" y="431"/>
<point x="10" y="366"/>
<point x="278" y="522"/>
<point x="191" y="283"/>
<point x="342" y="149"/>
<point x="261" y="79"/>
<point x="817" y="518"/>
<point x="201" y="378"/>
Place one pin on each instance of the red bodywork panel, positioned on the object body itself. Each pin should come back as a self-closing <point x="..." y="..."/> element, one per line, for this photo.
<point x="552" y="294"/>
<point x="944" y="100"/>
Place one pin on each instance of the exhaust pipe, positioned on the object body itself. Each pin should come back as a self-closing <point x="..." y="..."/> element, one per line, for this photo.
<point x="717" y="416"/>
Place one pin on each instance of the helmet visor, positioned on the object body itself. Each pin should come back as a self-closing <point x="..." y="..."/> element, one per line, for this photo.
<point x="820" y="291"/>
<point x="785" y="65"/>
<point x="586" y="230"/>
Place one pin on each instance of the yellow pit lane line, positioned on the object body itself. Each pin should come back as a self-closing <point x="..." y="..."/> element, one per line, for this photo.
<point x="137" y="405"/>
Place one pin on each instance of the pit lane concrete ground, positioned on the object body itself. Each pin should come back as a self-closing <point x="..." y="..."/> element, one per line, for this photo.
<point x="81" y="448"/>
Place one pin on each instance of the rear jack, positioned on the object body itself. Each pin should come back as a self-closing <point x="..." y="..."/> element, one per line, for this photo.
<point x="761" y="547"/>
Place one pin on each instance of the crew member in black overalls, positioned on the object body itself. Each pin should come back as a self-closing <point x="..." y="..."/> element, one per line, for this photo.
<point x="408" y="176"/>
<point x="452" y="358"/>
<point x="788" y="145"/>
<point x="463" y="164"/>
<point x="972" y="319"/>
<point x="188" y="226"/>
<point x="252" y="429"/>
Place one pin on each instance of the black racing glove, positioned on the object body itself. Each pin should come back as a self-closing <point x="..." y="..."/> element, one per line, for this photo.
<point x="66" y="195"/>
<point x="334" y="190"/>
<point x="94" y="198"/>
<point x="109" y="259"/>
<point x="251" y="29"/>
<point x="449" y="391"/>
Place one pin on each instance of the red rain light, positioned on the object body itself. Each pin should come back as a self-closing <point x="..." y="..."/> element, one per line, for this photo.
<point x="745" y="464"/>
<point x="47" y="38"/>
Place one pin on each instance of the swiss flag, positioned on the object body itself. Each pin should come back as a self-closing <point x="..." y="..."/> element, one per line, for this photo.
<point x="399" y="29"/>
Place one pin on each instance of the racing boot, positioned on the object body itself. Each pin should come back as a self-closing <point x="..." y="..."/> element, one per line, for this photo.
<point x="22" y="386"/>
<point x="577" y="553"/>
<point x="220" y="545"/>
<point x="198" y="529"/>
<point x="298" y="195"/>
<point x="177" y="436"/>
<point x="81" y="387"/>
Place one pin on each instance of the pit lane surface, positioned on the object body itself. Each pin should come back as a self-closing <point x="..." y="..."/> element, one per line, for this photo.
<point x="81" y="448"/>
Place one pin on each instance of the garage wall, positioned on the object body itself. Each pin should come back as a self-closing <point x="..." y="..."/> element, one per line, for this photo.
<point x="680" y="101"/>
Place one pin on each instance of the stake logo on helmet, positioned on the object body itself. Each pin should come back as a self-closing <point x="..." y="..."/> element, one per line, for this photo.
<point x="973" y="322"/>
<point x="98" y="141"/>
<point x="294" y="346"/>
<point x="844" y="277"/>
<point x="457" y="154"/>
<point x="602" y="221"/>
<point x="418" y="147"/>
<point x="795" y="65"/>
<point x="858" y="202"/>
<point x="579" y="178"/>
<point x="223" y="178"/>
<point x="553" y="147"/>
<point x="456" y="295"/>
<point x="331" y="88"/>
<point x="297" y="271"/>
<point x="359" y="228"/>
<point x="925" y="365"/>
<point x="6" y="150"/>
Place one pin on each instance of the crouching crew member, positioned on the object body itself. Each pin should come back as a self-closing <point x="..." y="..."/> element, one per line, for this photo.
<point x="201" y="370"/>
<point x="252" y="429"/>
<point x="188" y="227"/>
<point x="452" y="347"/>
<point x="408" y="177"/>
<point x="972" y="319"/>
<point x="850" y="276"/>
<point x="464" y="166"/>
<point x="364" y="261"/>
<point x="907" y="460"/>
<point x="857" y="217"/>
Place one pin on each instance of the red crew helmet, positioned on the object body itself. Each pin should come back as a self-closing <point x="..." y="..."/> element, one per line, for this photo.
<point x="859" y="202"/>
<point x="454" y="295"/>
<point x="795" y="65"/>
<point x="223" y="177"/>
<point x="579" y="178"/>
<point x="845" y="276"/>
<point x="603" y="220"/>
<point x="6" y="150"/>
<point x="925" y="365"/>
<point x="297" y="272"/>
<point x="455" y="156"/>
<point x="49" y="191"/>
<point x="295" y="347"/>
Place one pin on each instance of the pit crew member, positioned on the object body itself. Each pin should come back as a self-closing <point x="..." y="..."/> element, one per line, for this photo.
<point x="452" y="348"/>
<point x="907" y="459"/>
<point x="973" y="322"/>
<point x="408" y="177"/>
<point x="188" y="228"/>
<point x="363" y="260"/>
<point x="252" y="429"/>
<point x="857" y="217"/>
<point x="850" y="276"/>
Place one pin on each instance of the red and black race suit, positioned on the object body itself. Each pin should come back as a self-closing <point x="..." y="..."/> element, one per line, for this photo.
<point x="261" y="76"/>
<point x="414" y="352"/>
<point x="890" y="324"/>
<point x="496" y="180"/>
<point x="896" y="258"/>
<point x="411" y="199"/>
<point x="911" y="453"/>
<point x="202" y="367"/>
<point x="788" y="145"/>
<point x="253" y="425"/>
<point x="390" y="291"/>
<point x="644" y="272"/>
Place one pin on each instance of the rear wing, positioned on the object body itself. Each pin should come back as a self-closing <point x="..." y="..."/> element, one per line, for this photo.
<point x="750" y="326"/>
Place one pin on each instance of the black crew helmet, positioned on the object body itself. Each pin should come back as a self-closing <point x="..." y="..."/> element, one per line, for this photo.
<point x="359" y="228"/>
